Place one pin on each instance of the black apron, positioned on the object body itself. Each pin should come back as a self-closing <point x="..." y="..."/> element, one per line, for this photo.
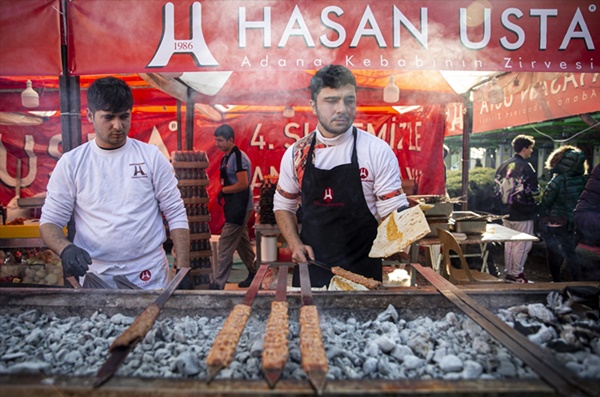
<point x="236" y="204"/>
<point x="337" y="222"/>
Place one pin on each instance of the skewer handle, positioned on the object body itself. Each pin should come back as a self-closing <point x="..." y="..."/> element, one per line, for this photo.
<point x="138" y="329"/>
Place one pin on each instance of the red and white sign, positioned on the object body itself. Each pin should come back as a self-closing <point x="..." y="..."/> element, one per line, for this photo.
<point x="561" y="95"/>
<point x="454" y="118"/>
<point x="123" y="36"/>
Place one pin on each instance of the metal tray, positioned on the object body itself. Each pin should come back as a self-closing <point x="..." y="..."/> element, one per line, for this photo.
<point x="468" y="222"/>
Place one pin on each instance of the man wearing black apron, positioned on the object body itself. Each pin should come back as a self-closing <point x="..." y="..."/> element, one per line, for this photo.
<point x="341" y="229"/>
<point x="343" y="199"/>
<point x="237" y="204"/>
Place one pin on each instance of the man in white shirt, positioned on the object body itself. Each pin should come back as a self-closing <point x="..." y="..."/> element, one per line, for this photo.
<point x="117" y="190"/>
<point x="346" y="179"/>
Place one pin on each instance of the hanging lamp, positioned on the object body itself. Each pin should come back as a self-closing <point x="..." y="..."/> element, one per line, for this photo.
<point x="391" y="92"/>
<point x="30" y="98"/>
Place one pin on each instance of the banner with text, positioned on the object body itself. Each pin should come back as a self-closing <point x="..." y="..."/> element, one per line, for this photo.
<point x="256" y="35"/>
<point x="561" y="95"/>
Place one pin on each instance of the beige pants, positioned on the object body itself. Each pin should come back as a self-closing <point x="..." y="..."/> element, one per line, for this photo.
<point x="515" y="253"/>
<point x="234" y="237"/>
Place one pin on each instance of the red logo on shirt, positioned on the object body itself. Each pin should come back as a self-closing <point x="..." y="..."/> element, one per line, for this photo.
<point x="145" y="275"/>
<point x="328" y="195"/>
<point x="364" y="173"/>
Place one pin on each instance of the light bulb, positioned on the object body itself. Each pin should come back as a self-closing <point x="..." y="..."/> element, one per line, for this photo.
<point x="30" y="98"/>
<point x="288" y="112"/>
<point x="391" y="92"/>
<point x="495" y="94"/>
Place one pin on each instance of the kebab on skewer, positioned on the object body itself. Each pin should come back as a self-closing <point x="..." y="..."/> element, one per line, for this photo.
<point x="370" y="283"/>
<point x="275" y="345"/>
<point x="222" y="351"/>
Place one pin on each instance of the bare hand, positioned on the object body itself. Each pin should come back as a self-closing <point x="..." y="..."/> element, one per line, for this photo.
<point x="302" y="253"/>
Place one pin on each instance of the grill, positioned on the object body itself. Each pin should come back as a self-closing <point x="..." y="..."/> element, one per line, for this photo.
<point x="412" y="302"/>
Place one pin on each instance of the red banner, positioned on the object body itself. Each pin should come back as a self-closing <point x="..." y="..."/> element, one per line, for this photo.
<point x="454" y="118"/>
<point x="546" y="98"/>
<point x="415" y="137"/>
<point x="122" y="36"/>
<point x="30" y="37"/>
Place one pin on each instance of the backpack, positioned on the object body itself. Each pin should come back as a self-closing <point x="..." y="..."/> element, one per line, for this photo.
<point x="509" y="186"/>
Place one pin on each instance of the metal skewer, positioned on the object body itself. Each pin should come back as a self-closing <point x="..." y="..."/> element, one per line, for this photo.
<point x="315" y="371"/>
<point x="223" y="348"/>
<point x="272" y="339"/>
<point x="127" y="341"/>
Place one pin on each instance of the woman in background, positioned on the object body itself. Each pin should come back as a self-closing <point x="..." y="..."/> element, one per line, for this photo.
<point x="568" y="167"/>
<point x="587" y="226"/>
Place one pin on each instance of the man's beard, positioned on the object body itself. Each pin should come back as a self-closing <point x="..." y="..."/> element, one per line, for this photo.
<point x="329" y="127"/>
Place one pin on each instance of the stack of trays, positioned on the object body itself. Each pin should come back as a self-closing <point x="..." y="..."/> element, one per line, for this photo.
<point x="468" y="222"/>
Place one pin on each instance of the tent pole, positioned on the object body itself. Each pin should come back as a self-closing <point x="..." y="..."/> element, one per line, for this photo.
<point x="70" y="104"/>
<point x="189" y="120"/>
<point x="178" y="124"/>
<point x="69" y="90"/>
<point x="69" y="112"/>
<point x="467" y="129"/>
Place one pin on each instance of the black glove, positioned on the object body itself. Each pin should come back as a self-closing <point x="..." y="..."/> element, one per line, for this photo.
<point x="186" y="283"/>
<point x="404" y="207"/>
<point x="75" y="260"/>
<point x="220" y="197"/>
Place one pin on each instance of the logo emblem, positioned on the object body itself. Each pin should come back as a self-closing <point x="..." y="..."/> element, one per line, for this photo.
<point x="145" y="275"/>
<point x="364" y="173"/>
<point x="195" y="46"/>
<point x="138" y="170"/>
<point x="328" y="195"/>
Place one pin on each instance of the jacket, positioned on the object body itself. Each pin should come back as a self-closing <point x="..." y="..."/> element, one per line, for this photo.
<point x="568" y="181"/>
<point x="586" y="216"/>
<point x="523" y="206"/>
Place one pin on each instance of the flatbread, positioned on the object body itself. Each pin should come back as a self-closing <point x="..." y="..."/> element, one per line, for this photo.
<point x="339" y="283"/>
<point x="398" y="231"/>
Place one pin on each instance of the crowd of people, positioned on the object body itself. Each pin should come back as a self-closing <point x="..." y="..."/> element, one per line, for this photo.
<point x="567" y="213"/>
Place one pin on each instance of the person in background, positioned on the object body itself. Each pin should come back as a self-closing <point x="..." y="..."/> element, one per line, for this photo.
<point x="236" y="192"/>
<point x="586" y="219"/>
<point x="568" y="167"/>
<point x="346" y="179"/>
<point x="116" y="189"/>
<point x="516" y="186"/>
<point x="446" y="152"/>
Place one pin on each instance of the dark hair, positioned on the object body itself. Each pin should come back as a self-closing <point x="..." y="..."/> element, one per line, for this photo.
<point x="332" y="76"/>
<point x="225" y="131"/>
<point x="109" y="94"/>
<point x="521" y="142"/>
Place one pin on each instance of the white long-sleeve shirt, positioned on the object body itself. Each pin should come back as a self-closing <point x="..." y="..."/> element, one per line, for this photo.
<point x="117" y="198"/>
<point x="380" y="173"/>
